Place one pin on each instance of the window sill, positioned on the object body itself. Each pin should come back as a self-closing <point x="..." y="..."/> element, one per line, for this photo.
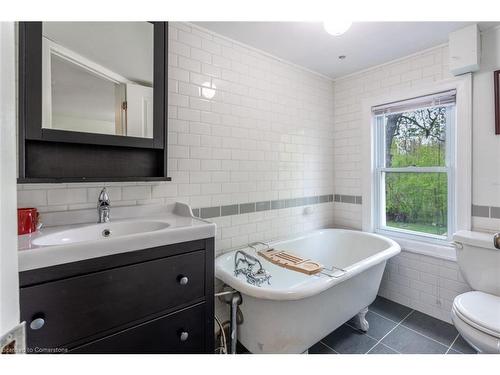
<point x="440" y="251"/>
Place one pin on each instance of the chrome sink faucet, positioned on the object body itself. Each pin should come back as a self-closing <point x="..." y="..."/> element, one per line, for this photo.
<point x="103" y="206"/>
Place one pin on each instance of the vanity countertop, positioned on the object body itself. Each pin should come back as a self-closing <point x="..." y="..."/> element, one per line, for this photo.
<point x="180" y="226"/>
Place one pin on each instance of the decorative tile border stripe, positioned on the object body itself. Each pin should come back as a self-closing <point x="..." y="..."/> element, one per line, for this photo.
<point x="245" y="208"/>
<point x="486" y="211"/>
<point x="354" y="199"/>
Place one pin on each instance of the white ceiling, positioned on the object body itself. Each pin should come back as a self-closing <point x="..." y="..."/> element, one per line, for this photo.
<point x="365" y="44"/>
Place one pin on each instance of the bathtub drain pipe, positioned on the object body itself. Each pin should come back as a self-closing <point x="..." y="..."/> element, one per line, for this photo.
<point x="235" y="301"/>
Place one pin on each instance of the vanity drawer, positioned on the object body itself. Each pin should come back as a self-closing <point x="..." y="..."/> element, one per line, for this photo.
<point x="181" y="332"/>
<point x="75" y="308"/>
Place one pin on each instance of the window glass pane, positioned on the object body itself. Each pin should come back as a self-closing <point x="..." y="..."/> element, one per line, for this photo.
<point x="416" y="138"/>
<point x="417" y="202"/>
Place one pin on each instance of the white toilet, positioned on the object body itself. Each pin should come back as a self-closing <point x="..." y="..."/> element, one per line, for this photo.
<point x="476" y="314"/>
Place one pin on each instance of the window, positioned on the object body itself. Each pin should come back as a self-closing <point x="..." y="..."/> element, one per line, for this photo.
<point x="414" y="166"/>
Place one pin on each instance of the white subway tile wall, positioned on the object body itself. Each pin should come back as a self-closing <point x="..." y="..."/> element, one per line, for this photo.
<point x="269" y="133"/>
<point x="266" y="134"/>
<point x="416" y="70"/>
<point x="424" y="283"/>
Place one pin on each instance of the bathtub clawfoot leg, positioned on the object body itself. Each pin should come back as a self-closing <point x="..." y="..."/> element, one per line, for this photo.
<point x="360" y="320"/>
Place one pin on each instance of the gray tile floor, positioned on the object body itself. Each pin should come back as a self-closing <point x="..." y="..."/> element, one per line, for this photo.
<point x="394" y="329"/>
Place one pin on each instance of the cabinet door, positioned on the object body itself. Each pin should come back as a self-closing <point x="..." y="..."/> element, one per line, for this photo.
<point x="179" y="333"/>
<point x="76" y="308"/>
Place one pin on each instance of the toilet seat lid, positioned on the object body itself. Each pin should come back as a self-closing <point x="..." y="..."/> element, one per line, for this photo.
<point x="480" y="310"/>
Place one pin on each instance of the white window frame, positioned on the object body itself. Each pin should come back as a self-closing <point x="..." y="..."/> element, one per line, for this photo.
<point x="379" y="182"/>
<point x="461" y="176"/>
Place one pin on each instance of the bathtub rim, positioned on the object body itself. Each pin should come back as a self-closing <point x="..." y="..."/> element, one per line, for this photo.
<point x="317" y="285"/>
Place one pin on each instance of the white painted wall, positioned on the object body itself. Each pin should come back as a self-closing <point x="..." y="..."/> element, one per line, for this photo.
<point x="486" y="145"/>
<point x="91" y="108"/>
<point x="9" y="287"/>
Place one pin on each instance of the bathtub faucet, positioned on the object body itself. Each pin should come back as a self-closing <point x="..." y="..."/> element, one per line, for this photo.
<point x="244" y="264"/>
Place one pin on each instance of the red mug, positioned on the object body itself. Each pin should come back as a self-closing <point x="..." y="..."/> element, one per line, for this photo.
<point x="27" y="220"/>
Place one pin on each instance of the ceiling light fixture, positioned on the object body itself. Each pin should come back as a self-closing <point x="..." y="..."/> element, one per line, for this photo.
<point x="336" y="28"/>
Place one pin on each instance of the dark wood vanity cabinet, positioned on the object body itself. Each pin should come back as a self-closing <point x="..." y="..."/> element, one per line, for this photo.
<point x="157" y="300"/>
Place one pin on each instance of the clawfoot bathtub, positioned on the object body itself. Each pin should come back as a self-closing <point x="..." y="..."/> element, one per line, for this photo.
<point x="295" y="310"/>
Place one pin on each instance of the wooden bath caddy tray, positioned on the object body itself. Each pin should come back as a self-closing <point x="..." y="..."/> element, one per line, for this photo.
<point x="291" y="261"/>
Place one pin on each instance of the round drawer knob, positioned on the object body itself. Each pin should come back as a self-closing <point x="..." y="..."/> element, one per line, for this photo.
<point x="183" y="280"/>
<point x="37" y="323"/>
<point x="184" y="336"/>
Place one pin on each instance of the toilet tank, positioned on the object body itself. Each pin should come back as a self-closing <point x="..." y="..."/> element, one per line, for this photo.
<point x="478" y="260"/>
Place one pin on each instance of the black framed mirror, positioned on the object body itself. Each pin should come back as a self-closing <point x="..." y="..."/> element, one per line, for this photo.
<point x="92" y="101"/>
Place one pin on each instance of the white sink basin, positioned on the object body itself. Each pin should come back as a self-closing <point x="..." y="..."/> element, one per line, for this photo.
<point x="66" y="239"/>
<point x="99" y="232"/>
